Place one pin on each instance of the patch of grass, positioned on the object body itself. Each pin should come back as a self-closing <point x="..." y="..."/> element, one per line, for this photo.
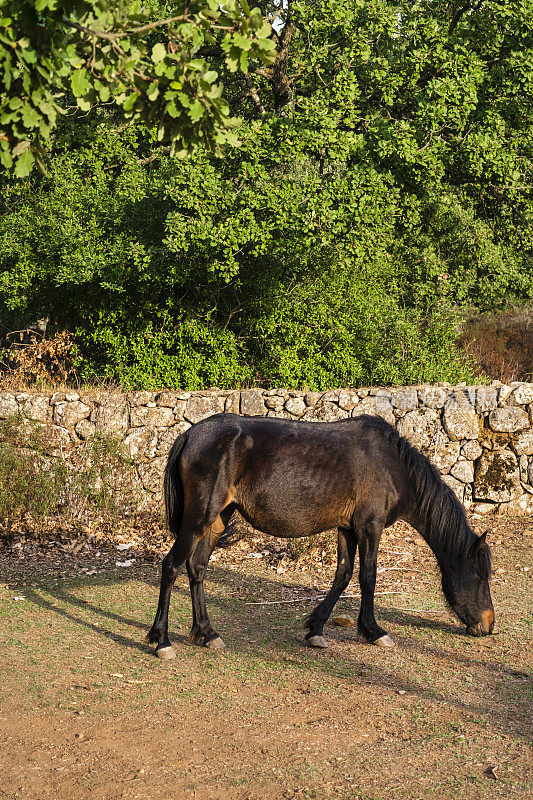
<point x="75" y="650"/>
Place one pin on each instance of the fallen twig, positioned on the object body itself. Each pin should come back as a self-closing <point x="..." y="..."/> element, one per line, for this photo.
<point x="309" y="597"/>
<point x="404" y="569"/>
<point x="423" y="611"/>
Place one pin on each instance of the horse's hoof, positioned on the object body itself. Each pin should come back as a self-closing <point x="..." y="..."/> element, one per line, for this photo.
<point x="165" y="653"/>
<point x="216" y="644"/>
<point x="316" y="641"/>
<point x="384" y="641"/>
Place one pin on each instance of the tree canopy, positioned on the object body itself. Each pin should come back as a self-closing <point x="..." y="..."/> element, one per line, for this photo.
<point x="141" y="59"/>
<point x="380" y="193"/>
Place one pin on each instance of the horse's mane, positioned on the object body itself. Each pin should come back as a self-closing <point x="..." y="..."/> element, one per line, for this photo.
<point x="445" y="524"/>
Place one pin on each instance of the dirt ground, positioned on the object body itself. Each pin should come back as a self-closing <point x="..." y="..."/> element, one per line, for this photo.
<point x="87" y="711"/>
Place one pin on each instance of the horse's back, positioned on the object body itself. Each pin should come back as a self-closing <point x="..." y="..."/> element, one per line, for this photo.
<point x="288" y="477"/>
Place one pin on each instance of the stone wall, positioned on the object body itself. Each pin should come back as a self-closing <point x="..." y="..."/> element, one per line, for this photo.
<point x="480" y="437"/>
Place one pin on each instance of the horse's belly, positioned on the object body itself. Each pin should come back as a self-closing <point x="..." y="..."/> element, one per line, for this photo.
<point x="293" y="511"/>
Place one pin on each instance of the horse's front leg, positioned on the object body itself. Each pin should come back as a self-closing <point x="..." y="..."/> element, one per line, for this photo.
<point x="346" y="547"/>
<point x="368" y="561"/>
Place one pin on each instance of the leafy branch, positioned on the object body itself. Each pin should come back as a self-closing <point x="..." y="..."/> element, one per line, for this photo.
<point x="98" y="53"/>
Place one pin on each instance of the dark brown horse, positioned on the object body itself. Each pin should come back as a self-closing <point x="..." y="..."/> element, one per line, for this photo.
<point x="295" y="479"/>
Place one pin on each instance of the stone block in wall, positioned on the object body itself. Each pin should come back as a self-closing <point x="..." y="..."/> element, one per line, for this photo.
<point x="521" y="505"/>
<point x="85" y="429"/>
<point x="471" y="450"/>
<point x="201" y="406"/>
<point x="332" y="412"/>
<point x="463" y="471"/>
<point x="497" y="476"/>
<point x="523" y="463"/>
<point x="179" y="409"/>
<point x="141" y="398"/>
<point x="156" y="417"/>
<point x="275" y="402"/>
<point x="383" y="404"/>
<point x="252" y="403"/>
<point x="404" y="399"/>
<point x="325" y="412"/>
<point x="348" y="399"/>
<point x="112" y="415"/>
<point x="508" y="419"/>
<point x="523" y="394"/>
<point x="379" y="405"/>
<point x="366" y="406"/>
<point x="167" y="399"/>
<point x="232" y="403"/>
<point x="461" y="423"/>
<point x="167" y="437"/>
<point x="69" y="414"/>
<point x="419" y="427"/>
<point x="312" y="398"/>
<point x="8" y="406"/>
<point x="486" y="399"/>
<point x="445" y="456"/>
<point x="505" y="391"/>
<point x="295" y="406"/>
<point x="59" y="439"/>
<point x="141" y="444"/>
<point x="329" y="397"/>
<point x="151" y="474"/>
<point x="456" y="486"/>
<point x="432" y="396"/>
<point x="38" y="408"/>
<point x="461" y="398"/>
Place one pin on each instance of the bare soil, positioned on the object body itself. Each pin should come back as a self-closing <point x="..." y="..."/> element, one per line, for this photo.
<point x="87" y="711"/>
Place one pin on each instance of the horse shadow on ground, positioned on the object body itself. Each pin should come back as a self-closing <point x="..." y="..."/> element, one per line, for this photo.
<point x="272" y="633"/>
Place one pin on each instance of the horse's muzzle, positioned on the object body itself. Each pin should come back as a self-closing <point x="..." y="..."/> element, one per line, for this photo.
<point x="485" y="627"/>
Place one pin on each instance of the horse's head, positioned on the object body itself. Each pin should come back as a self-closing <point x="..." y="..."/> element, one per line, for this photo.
<point x="466" y="588"/>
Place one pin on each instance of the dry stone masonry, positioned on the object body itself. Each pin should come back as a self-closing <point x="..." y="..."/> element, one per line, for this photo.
<point x="479" y="437"/>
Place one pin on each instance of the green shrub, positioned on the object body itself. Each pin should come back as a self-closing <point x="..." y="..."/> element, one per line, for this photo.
<point x="26" y="487"/>
<point x="39" y="478"/>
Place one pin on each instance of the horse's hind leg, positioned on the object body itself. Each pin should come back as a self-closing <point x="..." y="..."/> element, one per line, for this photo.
<point x="202" y="632"/>
<point x="346" y="547"/>
<point x="369" y="538"/>
<point x="158" y="634"/>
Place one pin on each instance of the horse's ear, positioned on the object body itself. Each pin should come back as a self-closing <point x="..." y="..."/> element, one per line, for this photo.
<point x="479" y="544"/>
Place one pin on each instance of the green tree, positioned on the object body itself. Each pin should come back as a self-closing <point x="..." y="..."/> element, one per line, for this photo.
<point x="382" y="189"/>
<point x="140" y="59"/>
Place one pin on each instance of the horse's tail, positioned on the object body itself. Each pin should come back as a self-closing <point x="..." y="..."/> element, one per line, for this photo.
<point x="173" y="486"/>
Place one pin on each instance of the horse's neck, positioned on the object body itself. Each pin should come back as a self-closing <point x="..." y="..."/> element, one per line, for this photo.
<point x="444" y="547"/>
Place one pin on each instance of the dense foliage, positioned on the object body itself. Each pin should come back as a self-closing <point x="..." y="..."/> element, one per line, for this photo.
<point x="113" y="54"/>
<point x="382" y="190"/>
